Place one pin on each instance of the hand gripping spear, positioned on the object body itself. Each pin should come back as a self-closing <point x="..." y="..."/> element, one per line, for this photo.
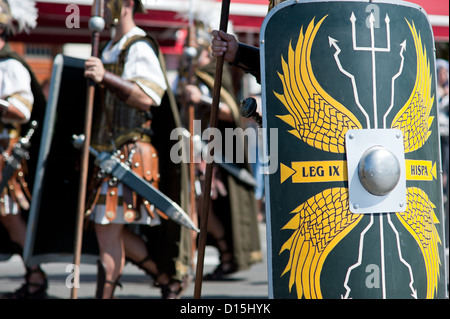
<point x="209" y="166"/>
<point x="96" y="25"/>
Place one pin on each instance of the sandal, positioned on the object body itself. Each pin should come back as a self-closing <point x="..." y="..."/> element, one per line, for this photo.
<point x="175" y="288"/>
<point x="24" y="292"/>
<point x="221" y="271"/>
<point x="227" y="265"/>
<point x="101" y="281"/>
<point x="140" y="265"/>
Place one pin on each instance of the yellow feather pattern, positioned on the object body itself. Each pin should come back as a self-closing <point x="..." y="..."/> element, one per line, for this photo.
<point x="319" y="224"/>
<point x="317" y="118"/>
<point x="414" y="118"/>
<point x="419" y="219"/>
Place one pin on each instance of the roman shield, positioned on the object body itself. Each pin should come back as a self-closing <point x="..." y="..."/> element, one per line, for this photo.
<point x="53" y="212"/>
<point x="355" y="205"/>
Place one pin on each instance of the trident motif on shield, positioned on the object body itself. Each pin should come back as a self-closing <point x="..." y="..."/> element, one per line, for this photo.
<point x="372" y="49"/>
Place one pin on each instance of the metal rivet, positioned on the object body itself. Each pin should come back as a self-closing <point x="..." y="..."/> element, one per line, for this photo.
<point x="355" y="206"/>
<point x="351" y="136"/>
<point x="129" y="214"/>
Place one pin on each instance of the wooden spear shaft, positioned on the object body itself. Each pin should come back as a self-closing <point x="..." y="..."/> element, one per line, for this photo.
<point x="191" y="118"/>
<point x="98" y="7"/>
<point x="209" y="166"/>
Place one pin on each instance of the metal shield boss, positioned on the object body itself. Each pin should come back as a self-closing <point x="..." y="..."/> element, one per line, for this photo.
<point x="355" y="208"/>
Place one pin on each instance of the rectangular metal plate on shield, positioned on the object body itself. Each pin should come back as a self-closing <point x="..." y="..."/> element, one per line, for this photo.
<point x="376" y="171"/>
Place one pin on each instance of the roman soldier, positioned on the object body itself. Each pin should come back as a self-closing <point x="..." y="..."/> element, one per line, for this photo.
<point x="236" y="53"/>
<point x="21" y="98"/>
<point x="133" y="118"/>
<point x="232" y="223"/>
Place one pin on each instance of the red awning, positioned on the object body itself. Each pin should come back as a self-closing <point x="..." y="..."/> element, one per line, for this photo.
<point x="165" y="17"/>
<point x="437" y="11"/>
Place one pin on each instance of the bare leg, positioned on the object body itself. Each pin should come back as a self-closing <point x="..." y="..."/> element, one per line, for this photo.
<point x="217" y="231"/>
<point x="112" y="255"/>
<point x="15" y="225"/>
<point x="16" y="228"/>
<point x="136" y="250"/>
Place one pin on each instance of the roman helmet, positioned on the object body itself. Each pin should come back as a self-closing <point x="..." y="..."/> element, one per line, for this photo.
<point x="17" y="16"/>
<point x="115" y="6"/>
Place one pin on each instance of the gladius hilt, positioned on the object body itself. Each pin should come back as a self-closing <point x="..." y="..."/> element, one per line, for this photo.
<point x="248" y="109"/>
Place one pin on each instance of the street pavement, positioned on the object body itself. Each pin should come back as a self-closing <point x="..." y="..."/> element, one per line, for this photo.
<point x="251" y="283"/>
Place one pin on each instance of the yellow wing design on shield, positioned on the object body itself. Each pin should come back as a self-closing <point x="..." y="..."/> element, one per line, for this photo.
<point x="414" y="118"/>
<point x="319" y="224"/>
<point x="316" y="118"/>
<point x="419" y="219"/>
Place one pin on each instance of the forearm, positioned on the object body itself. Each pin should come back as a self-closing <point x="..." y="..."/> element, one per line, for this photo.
<point x="224" y="113"/>
<point x="126" y="91"/>
<point x="247" y="58"/>
<point x="10" y="113"/>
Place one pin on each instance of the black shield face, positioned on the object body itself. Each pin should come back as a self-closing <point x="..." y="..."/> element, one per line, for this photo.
<point x="347" y="83"/>
<point x="52" y="220"/>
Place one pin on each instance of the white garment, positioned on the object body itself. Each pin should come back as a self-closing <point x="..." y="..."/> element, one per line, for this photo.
<point x="140" y="63"/>
<point x="15" y="80"/>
